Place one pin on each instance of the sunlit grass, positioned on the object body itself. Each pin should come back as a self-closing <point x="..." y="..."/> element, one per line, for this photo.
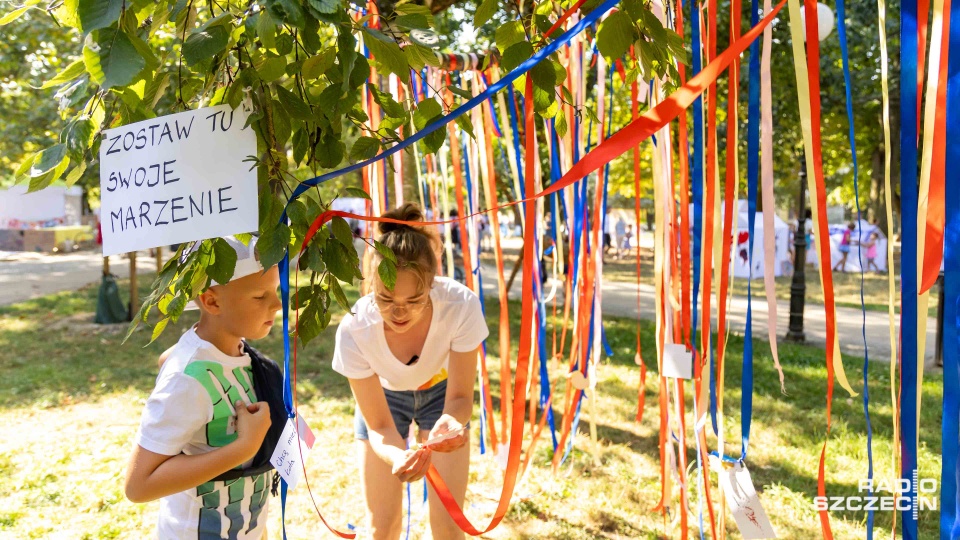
<point x="70" y="401"/>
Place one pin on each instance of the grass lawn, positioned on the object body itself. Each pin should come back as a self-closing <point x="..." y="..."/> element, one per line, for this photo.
<point x="846" y="286"/>
<point x="71" y="399"/>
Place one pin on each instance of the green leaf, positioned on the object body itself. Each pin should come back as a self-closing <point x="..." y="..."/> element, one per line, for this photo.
<point x="338" y="261"/>
<point x="224" y="262"/>
<point x="330" y="151"/>
<point x="427" y="111"/>
<point x="410" y="8"/>
<point x="78" y="136"/>
<point x="324" y="6"/>
<point x="205" y="43"/>
<point x="69" y="73"/>
<point x="561" y="125"/>
<point x="387" y="103"/>
<point x="272" y="68"/>
<point x="341" y="231"/>
<point x="290" y="11"/>
<point x="510" y="34"/>
<point x="76" y="173"/>
<point x="317" y="65"/>
<point x="634" y="8"/>
<point x="44" y="180"/>
<point x="544" y="86"/>
<point x="267" y="29"/>
<point x="24" y="166"/>
<point x="413" y="21"/>
<point x="13" y="15"/>
<point x="356" y="192"/>
<point x="273" y="244"/>
<point x="515" y="55"/>
<point x="111" y="58"/>
<point x="47" y="160"/>
<point x="459" y="91"/>
<point x="387" y="270"/>
<point x="419" y="56"/>
<point x="158" y="329"/>
<point x="617" y="32"/>
<point x="385" y="251"/>
<point x="337" y="291"/>
<point x="301" y="143"/>
<point x="464" y="123"/>
<point x="308" y="323"/>
<point x="486" y="10"/>
<point x="97" y="14"/>
<point x="364" y="148"/>
<point x="294" y="106"/>
<point x="386" y="51"/>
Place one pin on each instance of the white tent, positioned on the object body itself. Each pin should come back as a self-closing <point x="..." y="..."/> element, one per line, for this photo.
<point x="739" y="258"/>
<point x="55" y="205"/>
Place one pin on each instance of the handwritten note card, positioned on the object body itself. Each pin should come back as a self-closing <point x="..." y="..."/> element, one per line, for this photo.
<point x="177" y="178"/>
<point x="745" y="504"/>
<point x="288" y="458"/>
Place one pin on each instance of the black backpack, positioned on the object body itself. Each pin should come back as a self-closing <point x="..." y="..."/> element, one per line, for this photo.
<point x="268" y="385"/>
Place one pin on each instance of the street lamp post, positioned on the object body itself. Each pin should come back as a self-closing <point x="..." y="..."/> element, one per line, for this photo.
<point x="798" y="286"/>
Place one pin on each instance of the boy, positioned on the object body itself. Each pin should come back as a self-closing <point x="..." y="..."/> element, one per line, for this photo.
<point x="203" y="417"/>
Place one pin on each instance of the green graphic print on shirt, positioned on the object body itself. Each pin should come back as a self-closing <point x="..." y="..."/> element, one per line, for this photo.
<point x="220" y="433"/>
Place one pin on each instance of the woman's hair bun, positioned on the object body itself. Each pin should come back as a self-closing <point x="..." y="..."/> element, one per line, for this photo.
<point x="406" y="212"/>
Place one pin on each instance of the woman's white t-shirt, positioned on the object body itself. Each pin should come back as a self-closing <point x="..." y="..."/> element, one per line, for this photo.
<point x="457" y="325"/>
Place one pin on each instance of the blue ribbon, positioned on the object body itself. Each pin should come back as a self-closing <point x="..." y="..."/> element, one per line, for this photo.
<point x="697" y="180"/>
<point x="842" y="31"/>
<point x="950" y="473"/>
<point x="908" y="276"/>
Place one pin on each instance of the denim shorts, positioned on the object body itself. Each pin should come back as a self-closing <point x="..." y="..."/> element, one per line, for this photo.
<point x="424" y="407"/>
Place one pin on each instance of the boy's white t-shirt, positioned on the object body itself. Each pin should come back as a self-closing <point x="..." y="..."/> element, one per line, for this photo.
<point x="191" y="411"/>
<point x="457" y="325"/>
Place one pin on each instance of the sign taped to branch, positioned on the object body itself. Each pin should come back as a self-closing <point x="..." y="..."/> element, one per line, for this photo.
<point x="178" y="178"/>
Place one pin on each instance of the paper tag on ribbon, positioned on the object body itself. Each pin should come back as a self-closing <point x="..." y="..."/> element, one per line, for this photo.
<point x="745" y="504"/>
<point x="288" y="457"/>
<point x="677" y="361"/>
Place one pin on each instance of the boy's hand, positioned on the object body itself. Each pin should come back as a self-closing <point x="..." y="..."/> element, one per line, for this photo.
<point x="253" y="421"/>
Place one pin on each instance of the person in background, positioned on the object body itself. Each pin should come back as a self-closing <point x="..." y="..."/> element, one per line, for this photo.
<point x="844" y="248"/>
<point x="872" y="252"/>
<point x="626" y="241"/>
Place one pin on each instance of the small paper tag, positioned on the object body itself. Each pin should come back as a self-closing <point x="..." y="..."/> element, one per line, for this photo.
<point x="745" y="504"/>
<point x="445" y="436"/>
<point x="288" y="454"/>
<point x="677" y="361"/>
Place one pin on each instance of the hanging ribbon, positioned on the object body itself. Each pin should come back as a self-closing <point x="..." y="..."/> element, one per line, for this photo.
<point x="842" y="31"/>
<point x="626" y="138"/>
<point x="908" y="269"/>
<point x="766" y="177"/>
<point x="949" y="525"/>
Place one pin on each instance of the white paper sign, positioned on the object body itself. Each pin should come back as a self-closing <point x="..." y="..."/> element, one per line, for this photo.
<point x="677" y="361"/>
<point x="177" y="178"/>
<point x="745" y="504"/>
<point x="288" y="457"/>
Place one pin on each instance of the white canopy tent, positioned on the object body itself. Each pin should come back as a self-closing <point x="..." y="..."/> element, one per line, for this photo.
<point x="739" y="256"/>
<point x="55" y="205"/>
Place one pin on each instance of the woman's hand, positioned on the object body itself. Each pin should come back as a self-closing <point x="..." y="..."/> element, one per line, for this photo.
<point x="453" y="433"/>
<point x="412" y="465"/>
